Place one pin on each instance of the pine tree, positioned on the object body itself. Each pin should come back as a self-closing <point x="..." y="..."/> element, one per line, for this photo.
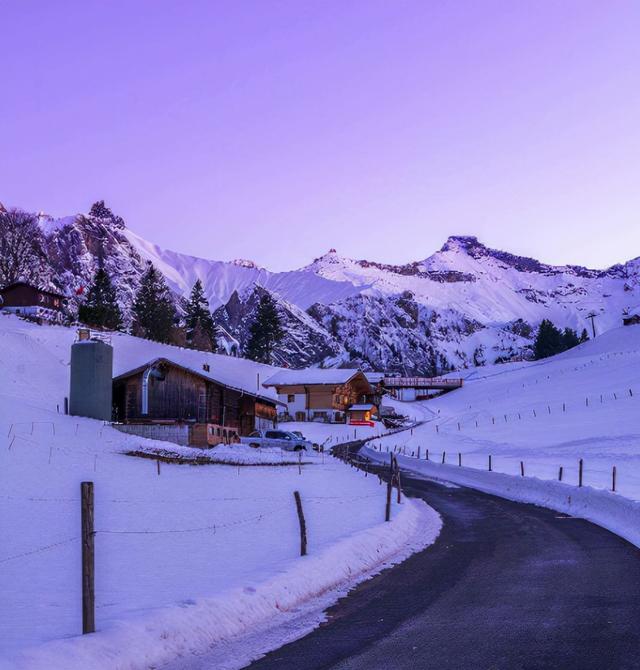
<point x="201" y="330"/>
<point x="101" y="307"/>
<point x="570" y="338"/>
<point x="265" y="332"/>
<point x="154" y="313"/>
<point x="584" y="336"/>
<point x="548" y="341"/>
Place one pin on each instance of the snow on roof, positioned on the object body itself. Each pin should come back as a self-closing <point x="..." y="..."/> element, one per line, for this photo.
<point x="311" y="376"/>
<point x="374" y="377"/>
<point x="362" y="408"/>
<point x="238" y="373"/>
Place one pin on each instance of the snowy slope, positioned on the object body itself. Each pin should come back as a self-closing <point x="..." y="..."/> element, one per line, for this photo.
<point x="184" y="560"/>
<point x="584" y="403"/>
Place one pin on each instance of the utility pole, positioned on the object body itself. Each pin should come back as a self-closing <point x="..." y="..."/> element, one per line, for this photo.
<point x="592" y="316"/>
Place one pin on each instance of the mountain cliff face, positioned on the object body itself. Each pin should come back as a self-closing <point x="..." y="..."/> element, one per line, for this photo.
<point x="464" y="305"/>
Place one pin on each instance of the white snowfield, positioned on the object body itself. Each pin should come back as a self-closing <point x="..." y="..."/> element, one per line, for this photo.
<point x="583" y="404"/>
<point x="187" y="561"/>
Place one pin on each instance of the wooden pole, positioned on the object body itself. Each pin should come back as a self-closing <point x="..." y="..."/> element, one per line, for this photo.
<point x="303" y="525"/>
<point x="426" y="456"/>
<point x="158" y="466"/>
<point x="399" y="486"/>
<point x="522" y="468"/>
<point x="387" y="513"/>
<point x="489" y="462"/>
<point x="459" y="460"/>
<point x="444" y="453"/>
<point x="560" y="474"/>
<point x="580" y="468"/>
<point x="613" y="479"/>
<point x="88" y="559"/>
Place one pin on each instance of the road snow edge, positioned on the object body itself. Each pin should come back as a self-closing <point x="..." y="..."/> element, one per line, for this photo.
<point x="609" y="510"/>
<point x="202" y="624"/>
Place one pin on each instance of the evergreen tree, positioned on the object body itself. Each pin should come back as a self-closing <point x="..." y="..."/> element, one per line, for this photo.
<point x="570" y="338"/>
<point x="549" y="340"/>
<point x="201" y="330"/>
<point x="101" y="307"/>
<point x="584" y="336"/>
<point x="265" y="332"/>
<point x="154" y="313"/>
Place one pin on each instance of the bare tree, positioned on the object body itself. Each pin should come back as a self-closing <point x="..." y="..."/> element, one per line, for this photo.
<point x="21" y="247"/>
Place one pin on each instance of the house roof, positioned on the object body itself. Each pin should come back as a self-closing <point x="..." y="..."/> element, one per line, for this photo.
<point x="634" y="311"/>
<point x="311" y="376"/>
<point x="374" y="377"/>
<point x="233" y="373"/>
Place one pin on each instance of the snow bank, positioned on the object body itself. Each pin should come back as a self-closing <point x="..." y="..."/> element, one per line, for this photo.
<point x="198" y="624"/>
<point x="613" y="512"/>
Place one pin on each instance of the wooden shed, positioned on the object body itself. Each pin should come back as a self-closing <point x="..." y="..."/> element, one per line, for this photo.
<point x="163" y="391"/>
<point x="27" y="300"/>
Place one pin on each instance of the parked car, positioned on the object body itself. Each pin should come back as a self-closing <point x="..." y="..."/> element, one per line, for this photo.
<point x="277" y="438"/>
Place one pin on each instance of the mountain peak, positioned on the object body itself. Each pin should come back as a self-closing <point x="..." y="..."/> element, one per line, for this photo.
<point x="463" y="242"/>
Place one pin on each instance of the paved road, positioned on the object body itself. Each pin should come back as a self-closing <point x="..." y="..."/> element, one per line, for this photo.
<point x="505" y="587"/>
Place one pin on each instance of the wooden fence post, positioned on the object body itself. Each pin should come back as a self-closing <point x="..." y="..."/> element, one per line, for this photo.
<point x="560" y="474"/>
<point x="444" y="453"/>
<point x="580" y="467"/>
<point x="489" y="462"/>
<point x="158" y="466"/>
<point x="459" y="460"/>
<point x="613" y="479"/>
<point x="387" y="513"/>
<point x="303" y="525"/>
<point x="522" y="468"/>
<point x="426" y="456"/>
<point x="88" y="559"/>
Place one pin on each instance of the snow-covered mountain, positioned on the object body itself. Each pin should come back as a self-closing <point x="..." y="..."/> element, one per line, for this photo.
<point x="464" y="305"/>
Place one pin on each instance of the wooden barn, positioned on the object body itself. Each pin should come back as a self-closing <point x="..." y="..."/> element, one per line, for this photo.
<point x="27" y="300"/>
<point x="166" y="392"/>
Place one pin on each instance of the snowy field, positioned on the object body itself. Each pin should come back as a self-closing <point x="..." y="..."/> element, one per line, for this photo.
<point x="187" y="559"/>
<point x="582" y="404"/>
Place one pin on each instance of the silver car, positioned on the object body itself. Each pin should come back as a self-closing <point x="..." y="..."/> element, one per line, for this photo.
<point x="281" y="439"/>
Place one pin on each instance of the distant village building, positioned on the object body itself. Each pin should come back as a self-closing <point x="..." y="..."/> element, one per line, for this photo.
<point x="631" y="317"/>
<point x="409" y="389"/>
<point x="178" y="401"/>
<point x="32" y="302"/>
<point x="317" y="394"/>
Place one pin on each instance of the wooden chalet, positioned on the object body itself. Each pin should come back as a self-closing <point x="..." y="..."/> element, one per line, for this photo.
<point x="318" y="394"/>
<point x="166" y="392"/>
<point x="30" y="301"/>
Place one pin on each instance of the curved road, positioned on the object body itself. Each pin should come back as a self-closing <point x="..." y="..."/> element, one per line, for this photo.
<point x="506" y="586"/>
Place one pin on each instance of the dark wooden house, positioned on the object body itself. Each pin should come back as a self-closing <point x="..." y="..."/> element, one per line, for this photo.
<point x="27" y="300"/>
<point x="163" y="391"/>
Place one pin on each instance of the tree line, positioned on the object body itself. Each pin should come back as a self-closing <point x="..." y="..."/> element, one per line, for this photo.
<point x="155" y="316"/>
<point x="551" y="340"/>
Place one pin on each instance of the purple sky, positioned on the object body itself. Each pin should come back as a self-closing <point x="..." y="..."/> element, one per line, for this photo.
<point x="275" y="130"/>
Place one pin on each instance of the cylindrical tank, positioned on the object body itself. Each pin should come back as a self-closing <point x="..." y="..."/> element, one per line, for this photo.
<point x="91" y="379"/>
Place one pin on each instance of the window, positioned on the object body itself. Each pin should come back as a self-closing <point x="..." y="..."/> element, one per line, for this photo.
<point x="272" y="435"/>
<point x="291" y="397"/>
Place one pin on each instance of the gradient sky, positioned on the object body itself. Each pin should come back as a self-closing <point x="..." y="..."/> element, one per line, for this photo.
<point x="275" y="130"/>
